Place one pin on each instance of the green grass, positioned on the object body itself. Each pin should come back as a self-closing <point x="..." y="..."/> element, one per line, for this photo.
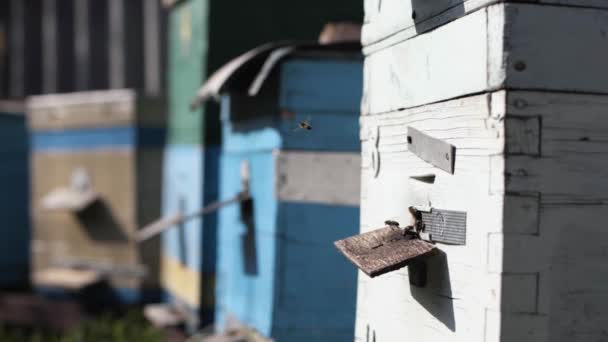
<point x="128" y="328"/>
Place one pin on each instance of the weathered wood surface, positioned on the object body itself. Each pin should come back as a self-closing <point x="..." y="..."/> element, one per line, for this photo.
<point x="81" y="110"/>
<point x="505" y="46"/>
<point x="459" y="289"/>
<point x="390" y="21"/>
<point x="65" y="278"/>
<point x="382" y="250"/>
<point x="304" y="177"/>
<point x="163" y="315"/>
<point x="68" y="199"/>
<point x="531" y="178"/>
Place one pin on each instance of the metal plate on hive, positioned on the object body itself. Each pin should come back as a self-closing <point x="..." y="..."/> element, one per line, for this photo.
<point x="432" y="150"/>
<point x="445" y="226"/>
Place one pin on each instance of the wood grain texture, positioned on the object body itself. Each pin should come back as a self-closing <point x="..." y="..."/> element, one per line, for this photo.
<point x="304" y="177"/>
<point x="81" y="110"/>
<point x="100" y="235"/>
<point x="382" y="250"/>
<point x="501" y="50"/>
<point x="391" y="21"/>
<point x="452" y="306"/>
<point x="531" y="176"/>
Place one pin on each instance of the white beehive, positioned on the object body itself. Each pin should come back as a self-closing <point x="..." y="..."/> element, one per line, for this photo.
<point x="517" y="89"/>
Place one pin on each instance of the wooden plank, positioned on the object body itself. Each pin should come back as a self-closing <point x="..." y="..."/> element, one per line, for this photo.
<point x="318" y="177"/>
<point x="107" y="108"/>
<point x="68" y="199"/>
<point x="434" y="151"/>
<point x="65" y="278"/>
<point x="435" y="76"/>
<point x="163" y="315"/>
<point x="496" y="54"/>
<point x="382" y="250"/>
<point x="390" y="21"/>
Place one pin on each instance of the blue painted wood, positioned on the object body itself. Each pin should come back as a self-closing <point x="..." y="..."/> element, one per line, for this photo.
<point x="190" y="182"/>
<point x="14" y="202"/>
<point x="247" y="295"/>
<point x="321" y="85"/>
<point x="318" y="286"/>
<point x="92" y="138"/>
<point x="330" y="132"/>
<point x="302" y="289"/>
<point x="183" y="181"/>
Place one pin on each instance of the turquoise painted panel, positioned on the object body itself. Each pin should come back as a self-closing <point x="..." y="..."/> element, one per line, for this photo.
<point x="321" y="86"/>
<point x="318" y="287"/>
<point x="14" y="202"/>
<point x="330" y="132"/>
<point x="258" y="134"/>
<point x="302" y="290"/>
<point x="246" y="253"/>
<point x="183" y="191"/>
<point x="191" y="182"/>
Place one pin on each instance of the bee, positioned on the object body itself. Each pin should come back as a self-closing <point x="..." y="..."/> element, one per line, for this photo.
<point x="304" y="125"/>
<point x="394" y="225"/>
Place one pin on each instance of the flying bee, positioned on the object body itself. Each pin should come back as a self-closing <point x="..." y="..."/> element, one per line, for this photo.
<point x="304" y="125"/>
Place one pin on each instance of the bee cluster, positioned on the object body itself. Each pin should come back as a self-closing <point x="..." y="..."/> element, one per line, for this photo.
<point x="413" y="230"/>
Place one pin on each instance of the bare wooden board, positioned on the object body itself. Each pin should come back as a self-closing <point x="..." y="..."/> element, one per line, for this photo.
<point x="497" y="53"/>
<point x="163" y="315"/>
<point x="391" y="21"/>
<point x="382" y="250"/>
<point x="304" y="177"/>
<point x="65" y="278"/>
<point x="68" y="199"/>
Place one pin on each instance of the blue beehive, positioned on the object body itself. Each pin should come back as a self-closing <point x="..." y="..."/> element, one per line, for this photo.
<point x="14" y="197"/>
<point x="277" y="270"/>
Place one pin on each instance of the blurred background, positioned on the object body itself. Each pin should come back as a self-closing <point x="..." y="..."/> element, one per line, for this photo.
<point x="98" y="142"/>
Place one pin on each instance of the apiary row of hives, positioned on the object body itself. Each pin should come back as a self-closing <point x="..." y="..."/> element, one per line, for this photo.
<point x="477" y="125"/>
<point x="512" y="95"/>
<point x="108" y="165"/>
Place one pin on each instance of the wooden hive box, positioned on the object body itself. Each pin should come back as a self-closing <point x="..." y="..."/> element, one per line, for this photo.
<point x="96" y="167"/>
<point x="14" y="199"/>
<point x="520" y="97"/>
<point x="277" y="269"/>
<point x="202" y="37"/>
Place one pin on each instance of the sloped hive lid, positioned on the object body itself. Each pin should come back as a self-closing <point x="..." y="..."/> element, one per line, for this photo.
<point x="249" y="71"/>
